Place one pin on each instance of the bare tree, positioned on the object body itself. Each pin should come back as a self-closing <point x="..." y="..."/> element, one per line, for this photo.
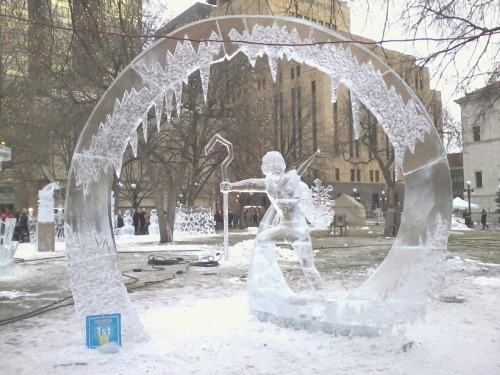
<point x="469" y="33"/>
<point x="55" y="65"/>
<point x="451" y="133"/>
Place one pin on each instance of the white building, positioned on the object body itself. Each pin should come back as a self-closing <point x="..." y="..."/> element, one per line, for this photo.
<point x="481" y="144"/>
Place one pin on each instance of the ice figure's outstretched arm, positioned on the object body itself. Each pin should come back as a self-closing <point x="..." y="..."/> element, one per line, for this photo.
<point x="252" y="185"/>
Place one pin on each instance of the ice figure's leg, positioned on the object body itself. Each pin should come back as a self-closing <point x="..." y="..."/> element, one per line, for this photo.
<point x="304" y="251"/>
<point x="265" y="274"/>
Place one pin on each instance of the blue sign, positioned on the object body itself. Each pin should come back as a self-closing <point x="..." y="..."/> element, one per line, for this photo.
<point x="103" y="329"/>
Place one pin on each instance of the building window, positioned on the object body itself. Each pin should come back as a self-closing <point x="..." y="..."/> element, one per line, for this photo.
<point x="358" y="174"/>
<point x="298" y="71"/>
<point x="292" y="73"/>
<point x="321" y="23"/>
<point x="377" y="177"/>
<point x="371" y="175"/>
<point x="479" y="179"/>
<point x="280" y="78"/>
<point x="476" y="130"/>
<point x="337" y="174"/>
<point x="352" y="175"/>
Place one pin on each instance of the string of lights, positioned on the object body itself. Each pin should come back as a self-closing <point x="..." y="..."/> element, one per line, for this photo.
<point x="484" y="33"/>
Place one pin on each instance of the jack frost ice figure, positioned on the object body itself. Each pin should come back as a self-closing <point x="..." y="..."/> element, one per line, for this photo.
<point x="286" y="192"/>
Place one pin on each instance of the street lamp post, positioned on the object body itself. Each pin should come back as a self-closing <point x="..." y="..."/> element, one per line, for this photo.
<point x="468" y="189"/>
<point x="383" y="199"/>
<point x="133" y="186"/>
<point x="355" y="194"/>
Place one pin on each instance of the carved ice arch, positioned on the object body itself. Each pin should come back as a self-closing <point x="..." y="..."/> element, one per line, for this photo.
<point x="156" y="76"/>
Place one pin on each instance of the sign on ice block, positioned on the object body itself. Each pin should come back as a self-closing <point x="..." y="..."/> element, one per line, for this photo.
<point x="103" y="329"/>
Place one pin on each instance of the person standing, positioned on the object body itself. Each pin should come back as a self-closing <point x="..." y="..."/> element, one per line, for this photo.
<point x="468" y="219"/>
<point x="484" y="215"/>
<point x="142" y="222"/>
<point x="7" y="215"/>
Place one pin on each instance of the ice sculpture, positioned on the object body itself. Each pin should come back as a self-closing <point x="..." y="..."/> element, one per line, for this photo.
<point x="46" y="203"/>
<point x="5" y="155"/>
<point x="193" y="221"/>
<point x="113" y="216"/>
<point x="7" y="245"/>
<point x="153" y="222"/>
<point x="128" y="227"/>
<point x="288" y="195"/>
<point x="217" y="138"/>
<point x="45" y="232"/>
<point x="396" y="292"/>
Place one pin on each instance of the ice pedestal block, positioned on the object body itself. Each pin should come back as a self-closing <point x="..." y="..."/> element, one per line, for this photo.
<point x="160" y="71"/>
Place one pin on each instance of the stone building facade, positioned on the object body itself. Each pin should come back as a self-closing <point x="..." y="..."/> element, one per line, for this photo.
<point x="480" y="114"/>
<point x="302" y="99"/>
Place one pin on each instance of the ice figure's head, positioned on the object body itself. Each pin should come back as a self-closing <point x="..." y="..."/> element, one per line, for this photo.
<point x="273" y="164"/>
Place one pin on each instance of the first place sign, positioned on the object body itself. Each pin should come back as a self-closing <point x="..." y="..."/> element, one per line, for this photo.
<point x="103" y="329"/>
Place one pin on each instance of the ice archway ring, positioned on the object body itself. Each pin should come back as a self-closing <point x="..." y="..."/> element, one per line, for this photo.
<point x="395" y="293"/>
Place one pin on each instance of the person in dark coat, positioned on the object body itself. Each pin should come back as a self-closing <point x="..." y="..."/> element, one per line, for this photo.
<point x="484" y="215"/>
<point x="142" y="221"/>
<point x="135" y="218"/>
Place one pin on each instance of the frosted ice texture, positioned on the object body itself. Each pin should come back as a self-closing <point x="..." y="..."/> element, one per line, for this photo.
<point x="193" y="221"/>
<point x="404" y="123"/>
<point x="153" y="227"/>
<point x="156" y="77"/>
<point x="7" y="245"/>
<point x="319" y="209"/>
<point x="5" y="155"/>
<point x="46" y="203"/>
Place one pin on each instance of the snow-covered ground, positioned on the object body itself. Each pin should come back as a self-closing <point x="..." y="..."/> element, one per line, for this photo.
<point x="199" y="322"/>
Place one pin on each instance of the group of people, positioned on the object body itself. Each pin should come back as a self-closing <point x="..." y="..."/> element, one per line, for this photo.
<point x="21" y="231"/>
<point x="468" y="219"/>
<point x="251" y="217"/>
<point x="140" y="221"/>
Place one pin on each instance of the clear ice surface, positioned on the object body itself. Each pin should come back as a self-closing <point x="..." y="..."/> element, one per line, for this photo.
<point x="398" y="290"/>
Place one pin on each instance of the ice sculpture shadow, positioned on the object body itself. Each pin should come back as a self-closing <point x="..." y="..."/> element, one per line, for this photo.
<point x="398" y="290"/>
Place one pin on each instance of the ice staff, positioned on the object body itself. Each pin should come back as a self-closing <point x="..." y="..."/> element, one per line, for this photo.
<point x="217" y="138"/>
